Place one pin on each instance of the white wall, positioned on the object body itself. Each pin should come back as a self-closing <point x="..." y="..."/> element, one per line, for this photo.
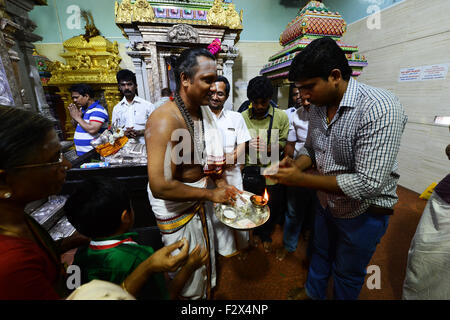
<point x="413" y="33"/>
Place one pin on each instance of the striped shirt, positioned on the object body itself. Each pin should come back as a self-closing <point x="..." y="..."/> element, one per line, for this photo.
<point x="359" y="147"/>
<point x="82" y="139"/>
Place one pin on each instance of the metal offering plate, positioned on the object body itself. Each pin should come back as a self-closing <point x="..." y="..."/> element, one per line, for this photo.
<point x="243" y="215"/>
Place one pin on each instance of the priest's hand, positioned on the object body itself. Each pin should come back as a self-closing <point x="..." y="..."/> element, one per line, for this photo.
<point x="225" y="194"/>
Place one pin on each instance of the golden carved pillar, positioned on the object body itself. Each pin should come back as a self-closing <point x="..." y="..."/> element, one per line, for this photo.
<point x="67" y="99"/>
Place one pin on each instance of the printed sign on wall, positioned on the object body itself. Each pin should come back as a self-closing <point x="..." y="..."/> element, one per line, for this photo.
<point x="424" y="73"/>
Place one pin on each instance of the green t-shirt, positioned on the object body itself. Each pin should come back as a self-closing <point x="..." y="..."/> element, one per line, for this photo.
<point x="111" y="259"/>
<point x="259" y="127"/>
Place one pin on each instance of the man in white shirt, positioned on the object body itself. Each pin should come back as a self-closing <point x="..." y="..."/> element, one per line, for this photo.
<point x="235" y="134"/>
<point x="131" y="112"/>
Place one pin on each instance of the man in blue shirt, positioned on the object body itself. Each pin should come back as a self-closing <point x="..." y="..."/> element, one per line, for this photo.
<point x="353" y="140"/>
<point x="89" y="117"/>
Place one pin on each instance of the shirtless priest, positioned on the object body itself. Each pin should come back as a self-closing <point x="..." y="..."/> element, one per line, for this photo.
<point x="184" y="151"/>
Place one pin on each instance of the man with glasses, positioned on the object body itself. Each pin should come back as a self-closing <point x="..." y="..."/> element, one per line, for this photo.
<point x="89" y="117"/>
<point x="131" y="112"/>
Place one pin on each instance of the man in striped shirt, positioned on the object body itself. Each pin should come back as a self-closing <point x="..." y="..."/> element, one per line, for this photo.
<point x="89" y="117"/>
<point x="353" y="140"/>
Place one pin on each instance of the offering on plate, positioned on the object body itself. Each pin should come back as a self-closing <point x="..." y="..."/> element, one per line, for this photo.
<point x="229" y="213"/>
<point x="260" y="201"/>
<point x="250" y="211"/>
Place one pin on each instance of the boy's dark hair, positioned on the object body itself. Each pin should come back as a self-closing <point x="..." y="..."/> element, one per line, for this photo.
<point x="83" y="89"/>
<point x="259" y="88"/>
<point x="318" y="59"/>
<point x="21" y="134"/>
<point x="126" y="75"/>
<point x="227" y="84"/>
<point x="187" y="63"/>
<point x="96" y="206"/>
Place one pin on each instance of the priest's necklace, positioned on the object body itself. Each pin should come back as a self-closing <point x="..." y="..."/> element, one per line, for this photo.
<point x="197" y="136"/>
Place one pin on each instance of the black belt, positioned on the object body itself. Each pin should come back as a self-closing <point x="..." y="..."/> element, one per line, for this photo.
<point x="382" y="211"/>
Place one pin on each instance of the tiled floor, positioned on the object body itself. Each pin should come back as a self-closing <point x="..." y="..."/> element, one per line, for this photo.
<point x="261" y="276"/>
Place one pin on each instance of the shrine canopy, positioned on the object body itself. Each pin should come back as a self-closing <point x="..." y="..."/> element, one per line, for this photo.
<point x="221" y="13"/>
<point x="313" y="21"/>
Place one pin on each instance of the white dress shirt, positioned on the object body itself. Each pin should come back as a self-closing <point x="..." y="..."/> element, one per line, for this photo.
<point x="134" y="114"/>
<point x="234" y="132"/>
<point x="298" y="129"/>
<point x="290" y="113"/>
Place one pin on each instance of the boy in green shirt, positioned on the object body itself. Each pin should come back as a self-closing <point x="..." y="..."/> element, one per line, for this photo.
<point x="100" y="209"/>
<point x="268" y="127"/>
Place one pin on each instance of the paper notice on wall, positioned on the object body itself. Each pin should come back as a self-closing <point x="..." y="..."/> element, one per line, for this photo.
<point x="424" y="73"/>
<point x="435" y="72"/>
<point x="410" y="74"/>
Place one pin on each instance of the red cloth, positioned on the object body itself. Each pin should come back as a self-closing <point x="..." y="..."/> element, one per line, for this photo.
<point x="26" y="271"/>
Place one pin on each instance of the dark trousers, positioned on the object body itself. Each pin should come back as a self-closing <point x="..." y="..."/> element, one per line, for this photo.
<point x="300" y="206"/>
<point x="342" y="249"/>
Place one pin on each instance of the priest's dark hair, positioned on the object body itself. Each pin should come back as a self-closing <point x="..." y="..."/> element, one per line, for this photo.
<point x="187" y="63"/>
<point x="95" y="207"/>
<point x="318" y="59"/>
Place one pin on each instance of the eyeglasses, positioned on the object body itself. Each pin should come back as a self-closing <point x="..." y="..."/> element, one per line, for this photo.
<point x="47" y="164"/>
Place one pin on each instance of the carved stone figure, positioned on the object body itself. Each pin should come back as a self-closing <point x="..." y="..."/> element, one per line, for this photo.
<point x="234" y="20"/>
<point x="182" y="33"/>
<point x="83" y="61"/>
<point x="216" y="15"/>
<point x="123" y="11"/>
<point x="143" y="11"/>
